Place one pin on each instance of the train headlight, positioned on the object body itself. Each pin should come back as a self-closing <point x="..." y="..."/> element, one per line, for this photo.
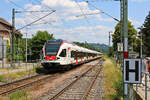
<point x="57" y="58"/>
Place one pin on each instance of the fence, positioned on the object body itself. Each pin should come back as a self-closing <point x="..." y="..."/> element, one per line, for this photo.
<point x="145" y="85"/>
<point x="19" y="55"/>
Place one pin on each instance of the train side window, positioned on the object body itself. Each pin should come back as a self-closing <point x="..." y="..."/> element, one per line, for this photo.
<point x="72" y="54"/>
<point x="63" y="53"/>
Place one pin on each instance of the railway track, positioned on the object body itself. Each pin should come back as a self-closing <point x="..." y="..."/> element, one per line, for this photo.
<point x="77" y="88"/>
<point x="21" y="84"/>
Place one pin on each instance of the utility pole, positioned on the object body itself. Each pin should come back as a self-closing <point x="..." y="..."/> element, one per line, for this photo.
<point x="125" y="33"/>
<point x="12" y="37"/>
<point x="141" y="51"/>
<point x="109" y="39"/>
<point x="26" y="49"/>
<point x="2" y="53"/>
<point x="121" y="31"/>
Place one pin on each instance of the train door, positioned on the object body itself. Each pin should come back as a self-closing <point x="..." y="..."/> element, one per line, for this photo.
<point x="69" y="55"/>
<point x="63" y="55"/>
<point x="76" y="57"/>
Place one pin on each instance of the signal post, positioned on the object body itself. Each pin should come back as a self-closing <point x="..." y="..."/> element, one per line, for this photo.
<point x="125" y="35"/>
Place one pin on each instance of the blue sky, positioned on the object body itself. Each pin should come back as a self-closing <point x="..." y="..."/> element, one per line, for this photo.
<point x="65" y="25"/>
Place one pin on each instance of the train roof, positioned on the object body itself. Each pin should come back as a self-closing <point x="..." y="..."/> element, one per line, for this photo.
<point x="79" y="48"/>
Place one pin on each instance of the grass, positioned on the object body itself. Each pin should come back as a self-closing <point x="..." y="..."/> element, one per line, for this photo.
<point x="10" y="68"/>
<point x="16" y="75"/>
<point x="1" y="78"/>
<point x="113" y="80"/>
<point x="18" y="95"/>
<point x="4" y="98"/>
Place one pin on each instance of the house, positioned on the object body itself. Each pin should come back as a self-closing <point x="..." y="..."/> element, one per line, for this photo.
<point x="5" y="36"/>
<point x="5" y="30"/>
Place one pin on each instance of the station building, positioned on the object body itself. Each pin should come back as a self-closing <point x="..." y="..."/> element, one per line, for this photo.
<point x="5" y="37"/>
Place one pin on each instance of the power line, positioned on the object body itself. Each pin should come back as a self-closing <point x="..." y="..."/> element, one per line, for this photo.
<point x="103" y="12"/>
<point x="55" y="13"/>
<point x="16" y="4"/>
<point x="24" y="9"/>
<point x="84" y="15"/>
<point x="31" y="11"/>
<point x="82" y="12"/>
<point x="44" y="4"/>
<point x="36" y="20"/>
<point x="88" y="14"/>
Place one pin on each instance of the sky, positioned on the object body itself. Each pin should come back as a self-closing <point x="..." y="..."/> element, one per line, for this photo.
<point x="71" y="20"/>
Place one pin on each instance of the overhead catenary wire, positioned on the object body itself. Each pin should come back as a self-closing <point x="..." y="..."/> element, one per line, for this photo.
<point x="55" y="13"/>
<point x="82" y="11"/>
<point x="88" y="14"/>
<point x="36" y="20"/>
<point x="43" y="4"/>
<point x="15" y="4"/>
<point x="84" y="15"/>
<point x="24" y="10"/>
<point x="103" y="12"/>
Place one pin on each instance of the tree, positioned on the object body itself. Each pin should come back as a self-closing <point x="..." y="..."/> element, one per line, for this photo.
<point x="37" y="42"/>
<point x="132" y="36"/>
<point x="145" y="30"/>
<point x="86" y="45"/>
<point x="19" y="48"/>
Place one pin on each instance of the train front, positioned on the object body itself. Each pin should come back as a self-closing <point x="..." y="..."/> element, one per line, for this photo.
<point x="50" y="50"/>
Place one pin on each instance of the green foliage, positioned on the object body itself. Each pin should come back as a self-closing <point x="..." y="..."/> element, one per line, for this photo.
<point x="113" y="82"/>
<point x="101" y="47"/>
<point x="86" y="45"/>
<point x="19" y="48"/>
<point x="19" y="95"/>
<point x="1" y="78"/>
<point x="145" y="30"/>
<point x="111" y="52"/>
<point x="118" y="86"/>
<point x="37" y="42"/>
<point x="132" y="34"/>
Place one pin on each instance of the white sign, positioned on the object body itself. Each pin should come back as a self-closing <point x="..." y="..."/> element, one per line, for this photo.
<point x="120" y="47"/>
<point x="132" y="71"/>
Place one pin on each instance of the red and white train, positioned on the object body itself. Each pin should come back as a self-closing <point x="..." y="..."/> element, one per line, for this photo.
<point x="58" y="53"/>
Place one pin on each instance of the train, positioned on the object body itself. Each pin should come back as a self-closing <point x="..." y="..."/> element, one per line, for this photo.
<point x="57" y="54"/>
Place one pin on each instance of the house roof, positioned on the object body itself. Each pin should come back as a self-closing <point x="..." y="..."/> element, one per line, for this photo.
<point x="3" y="21"/>
<point x="6" y="26"/>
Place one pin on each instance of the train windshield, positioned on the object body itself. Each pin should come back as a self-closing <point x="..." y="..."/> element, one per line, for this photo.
<point x="52" y="48"/>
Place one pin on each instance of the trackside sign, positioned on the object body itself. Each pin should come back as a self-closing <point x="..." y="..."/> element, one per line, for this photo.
<point x="132" y="70"/>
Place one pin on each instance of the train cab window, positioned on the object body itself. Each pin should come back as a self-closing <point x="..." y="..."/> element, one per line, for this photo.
<point x="63" y="53"/>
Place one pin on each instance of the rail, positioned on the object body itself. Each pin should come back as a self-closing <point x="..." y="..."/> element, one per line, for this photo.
<point x="85" y="94"/>
<point x="14" y="86"/>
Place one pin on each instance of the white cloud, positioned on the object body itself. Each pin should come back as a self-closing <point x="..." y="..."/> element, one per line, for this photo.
<point x="135" y="22"/>
<point x="138" y="0"/>
<point x="64" y="24"/>
<point x="69" y="9"/>
<point x="20" y="21"/>
<point x="81" y="33"/>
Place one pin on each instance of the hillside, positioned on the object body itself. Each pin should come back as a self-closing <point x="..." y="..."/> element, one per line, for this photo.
<point x="102" y="47"/>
